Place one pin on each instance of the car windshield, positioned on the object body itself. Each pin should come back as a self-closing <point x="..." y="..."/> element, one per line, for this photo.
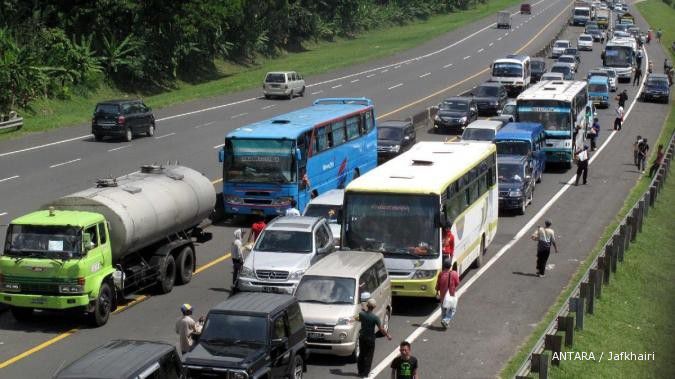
<point x="513" y="147"/>
<point x="538" y="65"/>
<point x="509" y="109"/>
<point x="284" y="241"/>
<point x="657" y="83"/>
<point x="329" y="212"/>
<point x="487" y="91"/>
<point x="563" y="69"/>
<point x="513" y="70"/>
<point x="385" y="133"/>
<point x="326" y="290"/>
<point x="566" y="60"/>
<point x="454" y="106"/>
<point x="551" y="77"/>
<point x="396" y="225"/>
<point x="57" y="242"/>
<point x="510" y="172"/>
<point x="229" y="329"/>
<point x="478" y="134"/>
<point x="597" y="73"/>
<point x="259" y="161"/>
<point x="560" y="45"/>
<point x="275" y="78"/>
<point x="618" y="56"/>
<point x="611" y="73"/>
<point x="571" y="51"/>
<point x="586" y="38"/>
<point x="582" y="12"/>
<point x="595" y="87"/>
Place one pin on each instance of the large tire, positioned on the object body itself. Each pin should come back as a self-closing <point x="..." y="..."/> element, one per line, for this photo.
<point x="302" y="92"/>
<point x="167" y="274"/>
<point x="185" y="265"/>
<point x="103" y="306"/>
<point x="479" y="260"/>
<point x="21" y="314"/>
<point x="128" y="135"/>
<point x="298" y="367"/>
<point x="151" y="130"/>
<point x="386" y="320"/>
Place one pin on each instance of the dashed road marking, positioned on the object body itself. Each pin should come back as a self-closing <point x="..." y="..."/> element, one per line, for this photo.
<point x="268" y="106"/>
<point x="480" y="50"/>
<point x="448" y="65"/>
<point x="355" y="80"/>
<point x="467" y="57"/>
<point x="239" y="115"/>
<point x="120" y="148"/>
<point x="423" y="75"/>
<point x="316" y="92"/>
<point x="166" y="135"/>
<point x="396" y="86"/>
<point x="337" y="86"/>
<point x="10" y="178"/>
<point x="65" y="163"/>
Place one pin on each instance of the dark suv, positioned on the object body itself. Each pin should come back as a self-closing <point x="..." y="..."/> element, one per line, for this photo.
<point x="537" y="69"/>
<point x="455" y="113"/>
<point x="251" y="336"/>
<point x="490" y="98"/>
<point x="393" y="138"/>
<point x="127" y="359"/>
<point x="657" y="87"/>
<point x="122" y="118"/>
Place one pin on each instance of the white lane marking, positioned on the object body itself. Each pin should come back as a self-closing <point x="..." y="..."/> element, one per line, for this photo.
<point x="448" y="65"/>
<point x="164" y="136"/>
<point x="337" y="86"/>
<point x="3" y="213"/>
<point x="219" y="146"/>
<point x="239" y="115"/>
<point x="506" y="34"/>
<point x="370" y="76"/>
<point x="384" y="364"/>
<point x="423" y="75"/>
<point x="396" y="86"/>
<point x="467" y="57"/>
<point x="10" y="178"/>
<point x="355" y="80"/>
<point x="397" y="67"/>
<point x="491" y="43"/>
<point x="65" y="163"/>
<point x="309" y="85"/>
<point x="480" y="50"/>
<point x="209" y="123"/>
<point x="268" y="106"/>
<point x="120" y="148"/>
<point x="383" y="71"/>
<point x="316" y="92"/>
<point x="499" y="39"/>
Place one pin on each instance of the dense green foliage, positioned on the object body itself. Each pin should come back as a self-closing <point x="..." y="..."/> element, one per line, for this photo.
<point x="55" y="48"/>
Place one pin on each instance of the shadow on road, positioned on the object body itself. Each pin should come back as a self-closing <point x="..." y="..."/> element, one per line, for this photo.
<point x="413" y="307"/>
<point x="533" y="274"/>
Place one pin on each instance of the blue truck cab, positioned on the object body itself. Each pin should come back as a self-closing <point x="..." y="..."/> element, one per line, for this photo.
<point x="598" y="91"/>
<point x="523" y="139"/>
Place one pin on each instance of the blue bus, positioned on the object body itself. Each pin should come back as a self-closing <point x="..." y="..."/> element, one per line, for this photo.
<point x="297" y="156"/>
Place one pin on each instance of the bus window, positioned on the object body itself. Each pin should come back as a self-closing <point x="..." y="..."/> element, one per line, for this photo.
<point x="339" y="136"/>
<point x="353" y="127"/>
<point x="322" y="140"/>
<point x="370" y="124"/>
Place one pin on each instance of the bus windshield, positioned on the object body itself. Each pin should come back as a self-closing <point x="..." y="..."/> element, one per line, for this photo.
<point x="396" y="225"/>
<point x="553" y="115"/>
<point x="618" y="56"/>
<point x="510" y="70"/>
<point x="259" y="161"/>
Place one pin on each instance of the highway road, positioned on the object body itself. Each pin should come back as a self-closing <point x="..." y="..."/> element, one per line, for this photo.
<point x="500" y="303"/>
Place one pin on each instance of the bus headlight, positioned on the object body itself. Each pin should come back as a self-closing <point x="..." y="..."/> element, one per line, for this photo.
<point x="424" y="274"/>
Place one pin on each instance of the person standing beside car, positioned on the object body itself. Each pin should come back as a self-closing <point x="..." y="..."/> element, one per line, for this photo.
<point x="369" y="321"/>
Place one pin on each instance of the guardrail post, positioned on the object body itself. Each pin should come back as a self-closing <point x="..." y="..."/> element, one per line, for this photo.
<point x="629" y="233"/>
<point x="634" y="224"/>
<point x="647" y="203"/>
<point x="566" y="324"/>
<point x="539" y="364"/>
<point x="652" y="195"/>
<point x="641" y="206"/>
<point x="603" y="264"/>
<point x="659" y="178"/>
<point x="612" y="251"/>
<point x="577" y="306"/>
<point x="554" y="344"/>
<point x="597" y="282"/>
<point x="588" y="292"/>
<point x="621" y="242"/>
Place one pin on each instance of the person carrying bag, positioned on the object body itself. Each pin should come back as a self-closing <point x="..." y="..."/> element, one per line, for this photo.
<point x="446" y="288"/>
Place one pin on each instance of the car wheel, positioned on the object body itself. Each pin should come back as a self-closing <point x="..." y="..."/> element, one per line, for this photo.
<point x="298" y="367"/>
<point x="268" y="97"/>
<point x="151" y="130"/>
<point x="103" y="306"/>
<point x="523" y="205"/>
<point x="167" y="272"/>
<point x="302" y="92"/>
<point x="128" y="135"/>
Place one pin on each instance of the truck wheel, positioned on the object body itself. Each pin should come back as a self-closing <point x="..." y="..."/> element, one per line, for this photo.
<point x="21" y="314"/>
<point x="103" y="306"/>
<point x="298" y="367"/>
<point x="167" y="274"/>
<point x="185" y="265"/>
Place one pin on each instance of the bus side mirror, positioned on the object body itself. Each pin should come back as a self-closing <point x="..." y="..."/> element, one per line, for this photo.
<point x="298" y="154"/>
<point x="440" y="221"/>
<point x="221" y="155"/>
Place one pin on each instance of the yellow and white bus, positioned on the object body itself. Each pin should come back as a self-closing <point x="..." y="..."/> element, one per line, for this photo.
<point x="405" y="207"/>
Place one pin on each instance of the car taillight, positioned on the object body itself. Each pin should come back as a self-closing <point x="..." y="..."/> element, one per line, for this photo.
<point x="121" y="120"/>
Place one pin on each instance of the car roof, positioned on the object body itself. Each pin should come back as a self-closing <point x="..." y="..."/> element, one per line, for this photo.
<point x="553" y="74"/>
<point x="585" y="35"/>
<point x="117" y="359"/>
<point x="118" y="101"/>
<point x="295" y="223"/>
<point x="560" y="64"/>
<point x="280" y="72"/>
<point x="256" y="303"/>
<point x="485" y="124"/>
<point x="332" y="197"/>
<point x="566" y="56"/>
<point x="394" y="123"/>
<point x="562" y="40"/>
<point x="344" y="264"/>
<point x="458" y="98"/>
<point x="519" y="131"/>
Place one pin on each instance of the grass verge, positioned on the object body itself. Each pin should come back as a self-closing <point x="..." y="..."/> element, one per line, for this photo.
<point x="317" y="58"/>
<point x="658" y="15"/>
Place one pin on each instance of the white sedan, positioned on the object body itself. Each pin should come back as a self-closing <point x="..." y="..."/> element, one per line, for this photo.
<point x="585" y="42"/>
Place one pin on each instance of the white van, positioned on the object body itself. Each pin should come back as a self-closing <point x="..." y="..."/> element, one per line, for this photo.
<point x="512" y="71"/>
<point x="329" y="206"/>
<point x="482" y="130"/>
<point x="283" y="83"/>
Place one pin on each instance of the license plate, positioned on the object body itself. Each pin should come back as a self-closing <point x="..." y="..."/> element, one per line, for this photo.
<point x="314" y="335"/>
<point x="271" y="289"/>
<point x="38" y="300"/>
<point x="258" y="212"/>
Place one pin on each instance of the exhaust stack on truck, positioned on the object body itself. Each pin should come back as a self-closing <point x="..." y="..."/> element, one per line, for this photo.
<point x="88" y="249"/>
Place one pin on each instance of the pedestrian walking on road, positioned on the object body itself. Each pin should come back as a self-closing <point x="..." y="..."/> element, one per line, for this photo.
<point x="405" y="365"/>
<point x="622" y="98"/>
<point x="638" y="76"/>
<point x="657" y="161"/>
<point x="368" y="321"/>
<point x="659" y="33"/>
<point x="618" y="121"/>
<point x="594" y="133"/>
<point x="637" y="143"/>
<point x="545" y="237"/>
<point x="582" y="164"/>
<point x="293" y="211"/>
<point x="237" y="258"/>
<point x="643" y="151"/>
<point x="638" y="58"/>
<point x="187" y="328"/>
<point x="446" y="291"/>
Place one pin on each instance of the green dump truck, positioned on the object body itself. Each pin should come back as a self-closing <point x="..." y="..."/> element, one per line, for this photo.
<point x="87" y="250"/>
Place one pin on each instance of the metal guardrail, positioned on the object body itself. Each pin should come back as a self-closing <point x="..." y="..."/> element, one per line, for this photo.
<point x="12" y="124"/>
<point x="582" y="299"/>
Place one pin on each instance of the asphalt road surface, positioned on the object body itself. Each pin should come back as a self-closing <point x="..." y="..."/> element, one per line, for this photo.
<point x="500" y="303"/>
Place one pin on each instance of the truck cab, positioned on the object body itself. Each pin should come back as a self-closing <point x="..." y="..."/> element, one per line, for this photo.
<point x="524" y="139"/>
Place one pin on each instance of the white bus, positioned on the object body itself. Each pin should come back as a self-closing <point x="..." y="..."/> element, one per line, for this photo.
<point x="405" y="207"/>
<point x="513" y="71"/>
<point x="619" y="54"/>
<point x="564" y="109"/>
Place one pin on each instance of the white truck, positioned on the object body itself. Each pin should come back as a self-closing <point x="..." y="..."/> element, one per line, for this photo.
<point x="582" y="13"/>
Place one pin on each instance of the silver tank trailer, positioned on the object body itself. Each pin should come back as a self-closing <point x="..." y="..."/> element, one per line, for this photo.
<point x="146" y="206"/>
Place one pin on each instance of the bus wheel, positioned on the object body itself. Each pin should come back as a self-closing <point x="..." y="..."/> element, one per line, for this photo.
<point x="479" y="260"/>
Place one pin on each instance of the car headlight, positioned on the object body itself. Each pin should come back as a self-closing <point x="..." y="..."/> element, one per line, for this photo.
<point x="463" y="120"/>
<point x="240" y="375"/>
<point x="246" y="272"/>
<point x="396" y="148"/>
<point x="297" y="274"/>
<point x="424" y="274"/>
<point x="233" y="199"/>
<point x="495" y="102"/>
<point x="10" y="287"/>
<point x="71" y="288"/>
<point x="345" y="321"/>
<point x="516" y="193"/>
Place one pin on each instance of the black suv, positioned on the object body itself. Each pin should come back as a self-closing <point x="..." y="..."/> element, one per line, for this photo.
<point x="455" y="113"/>
<point x="122" y="118"/>
<point x="490" y="97"/>
<point x="127" y="359"/>
<point x="537" y="69"/>
<point x="657" y="87"/>
<point x="251" y="336"/>
<point x="393" y="138"/>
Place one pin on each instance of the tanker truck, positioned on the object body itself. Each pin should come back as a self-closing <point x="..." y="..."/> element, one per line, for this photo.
<point x="88" y="250"/>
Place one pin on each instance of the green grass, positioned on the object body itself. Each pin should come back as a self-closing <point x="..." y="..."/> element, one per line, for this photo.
<point x="318" y="58"/>
<point x="658" y="14"/>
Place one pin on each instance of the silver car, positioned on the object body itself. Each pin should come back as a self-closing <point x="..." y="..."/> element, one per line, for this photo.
<point x="568" y="60"/>
<point x="329" y="206"/>
<point x="284" y="84"/>
<point x="559" y="47"/>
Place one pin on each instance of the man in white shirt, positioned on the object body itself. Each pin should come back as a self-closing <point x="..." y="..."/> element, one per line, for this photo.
<point x="293" y="211"/>
<point x="186" y="327"/>
<point x="618" y="121"/>
<point x="582" y="164"/>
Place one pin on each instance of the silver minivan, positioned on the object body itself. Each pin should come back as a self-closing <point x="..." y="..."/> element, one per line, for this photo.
<point x="283" y="83"/>
<point x="482" y="130"/>
<point x="331" y="293"/>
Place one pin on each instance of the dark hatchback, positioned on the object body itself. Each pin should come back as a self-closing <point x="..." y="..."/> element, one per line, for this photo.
<point x="393" y="138"/>
<point x="122" y="119"/>
<point x="455" y="113"/>
<point x="657" y="88"/>
<point x="490" y="97"/>
<point x="537" y="69"/>
<point x="251" y="336"/>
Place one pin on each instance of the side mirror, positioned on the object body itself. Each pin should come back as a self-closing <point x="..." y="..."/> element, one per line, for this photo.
<point x="406" y="138"/>
<point x="279" y="342"/>
<point x="298" y="154"/>
<point x="221" y="155"/>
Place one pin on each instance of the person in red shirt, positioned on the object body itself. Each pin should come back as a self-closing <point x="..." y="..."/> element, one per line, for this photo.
<point x="448" y="244"/>
<point x="657" y="162"/>
<point x="448" y="281"/>
<point x="258" y="226"/>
